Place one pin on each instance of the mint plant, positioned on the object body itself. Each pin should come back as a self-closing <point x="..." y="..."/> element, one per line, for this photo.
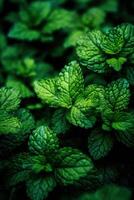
<point x="66" y="100"/>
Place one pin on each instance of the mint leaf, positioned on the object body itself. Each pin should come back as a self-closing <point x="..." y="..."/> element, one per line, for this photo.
<point x="70" y="82"/>
<point x="43" y="140"/>
<point x="39" y="11"/>
<point x="123" y="121"/>
<point x="115" y="63"/>
<point x="95" y="48"/>
<point x="59" y="122"/>
<point x="116" y="97"/>
<point x="46" y="90"/>
<point x="81" y="113"/>
<point x="71" y="165"/>
<point x="26" y="119"/>
<point x="9" y="123"/>
<point x="61" y="19"/>
<point x="22" y="89"/>
<point x="99" y="144"/>
<point x="126" y="137"/>
<point x="9" y="99"/>
<point x="18" y="177"/>
<point x="113" y="42"/>
<point x="33" y="164"/>
<point x="62" y="90"/>
<point x="21" y="31"/>
<point x="38" y="189"/>
<point x="89" y="51"/>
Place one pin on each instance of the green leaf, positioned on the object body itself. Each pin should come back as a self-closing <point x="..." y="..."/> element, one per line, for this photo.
<point x="89" y="51"/>
<point x="95" y="48"/>
<point x="94" y="17"/>
<point x="108" y="192"/>
<point x="126" y="137"/>
<point x="18" y="177"/>
<point x="38" y="189"/>
<point x="46" y="90"/>
<point x="130" y="75"/>
<point x="113" y="41"/>
<point x="99" y="144"/>
<point x="128" y="35"/>
<point x="59" y="122"/>
<point x="62" y="90"/>
<point x="81" y="113"/>
<point x="61" y="19"/>
<point x="116" y="97"/>
<point x="43" y="140"/>
<point x="8" y="123"/>
<point x="21" y="31"/>
<point x="110" y="6"/>
<point x="72" y="39"/>
<point x="39" y="11"/>
<point x="27" y="120"/>
<point x="21" y="88"/>
<point x="9" y="99"/>
<point x="71" y="165"/>
<point x="116" y="64"/>
<point x="123" y="121"/>
<point x="32" y="163"/>
<point x="70" y="82"/>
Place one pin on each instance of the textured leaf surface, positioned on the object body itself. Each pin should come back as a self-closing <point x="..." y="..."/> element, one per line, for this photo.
<point x="89" y="51"/>
<point x="43" y="140"/>
<point x="71" y="165"/>
<point x="95" y="48"/>
<point x="117" y="95"/>
<point x="9" y="99"/>
<point x="25" y="162"/>
<point x="123" y="121"/>
<point x="126" y="137"/>
<point x="8" y="123"/>
<point x="70" y="82"/>
<point x="62" y="90"/>
<point x="46" y="90"/>
<point x="38" y="189"/>
<point x="80" y="114"/>
<point x="26" y="119"/>
<point x="59" y="122"/>
<point x="99" y="145"/>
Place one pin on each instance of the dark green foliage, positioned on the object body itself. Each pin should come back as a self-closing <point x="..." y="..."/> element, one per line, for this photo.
<point x="66" y="100"/>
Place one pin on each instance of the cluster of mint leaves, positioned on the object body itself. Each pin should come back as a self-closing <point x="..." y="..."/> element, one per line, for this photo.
<point x="66" y="100"/>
